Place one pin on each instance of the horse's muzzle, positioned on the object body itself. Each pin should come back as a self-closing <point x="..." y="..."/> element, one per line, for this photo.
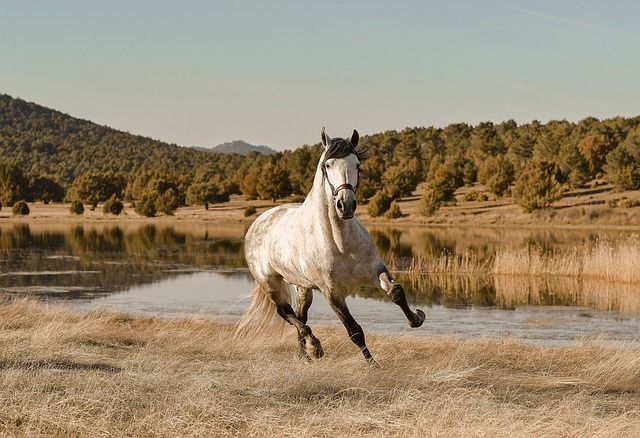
<point x="346" y="208"/>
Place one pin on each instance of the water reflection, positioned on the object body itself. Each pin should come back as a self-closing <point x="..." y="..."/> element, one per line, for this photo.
<point x="86" y="262"/>
<point x="90" y="261"/>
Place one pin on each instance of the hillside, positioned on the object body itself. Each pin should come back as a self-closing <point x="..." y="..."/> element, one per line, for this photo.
<point x="239" y="147"/>
<point x="534" y="162"/>
<point x="50" y="143"/>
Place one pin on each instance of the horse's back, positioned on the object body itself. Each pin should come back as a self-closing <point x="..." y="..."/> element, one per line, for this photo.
<point x="268" y="233"/>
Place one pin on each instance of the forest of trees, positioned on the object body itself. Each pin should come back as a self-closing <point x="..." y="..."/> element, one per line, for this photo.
<point x="50" y="156"/>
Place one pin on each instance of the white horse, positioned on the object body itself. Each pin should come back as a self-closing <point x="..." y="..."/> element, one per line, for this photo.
<point x="318" y="244"/>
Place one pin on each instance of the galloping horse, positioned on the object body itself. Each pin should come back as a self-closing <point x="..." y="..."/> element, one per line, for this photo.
<point x="318" y="244"/>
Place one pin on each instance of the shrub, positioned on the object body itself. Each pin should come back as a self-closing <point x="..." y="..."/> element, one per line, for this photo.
<point x="21" y="208"/>
<point x="113" y="206"/>
<point x="429" y="203"/>
<point x="629" y="203"/>
<point x="483" y="197"/>
<point x="77" y="207"/>
<point x="497" y="174"/>
<point x="537" y="186"/>
<point x="394" y="211"/>
<point x="471" y="196"/>
<point x="379" y="204"/>
<point x="167" y="202"/>
<point x="250" y="211"/>
<point x="146" y="206"/>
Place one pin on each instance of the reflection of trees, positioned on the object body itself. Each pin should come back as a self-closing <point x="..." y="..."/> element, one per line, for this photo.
<point x="388" y="244"/>
<point x="128" y="257"/>
<point x="123" y="258"/>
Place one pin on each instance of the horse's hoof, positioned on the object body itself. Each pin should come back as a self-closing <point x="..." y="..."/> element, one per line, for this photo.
<point x="417" y="319"/>
<point x="318" y="352"/>
<point x="372" y="363"/>
<point x="304" y="357"/>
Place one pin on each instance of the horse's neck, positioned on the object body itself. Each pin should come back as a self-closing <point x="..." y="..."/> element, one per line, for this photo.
<point x="320" y="214"/>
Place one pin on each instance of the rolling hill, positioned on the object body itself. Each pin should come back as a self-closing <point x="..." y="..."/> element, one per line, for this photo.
<point x="46" y="142"/>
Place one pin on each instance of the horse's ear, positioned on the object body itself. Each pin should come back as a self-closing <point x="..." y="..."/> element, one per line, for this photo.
<point x="354" y="138"/>
<point x="326" y="140"/>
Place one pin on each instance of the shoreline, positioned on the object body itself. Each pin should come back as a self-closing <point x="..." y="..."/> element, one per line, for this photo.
<point x="224" y="216"/>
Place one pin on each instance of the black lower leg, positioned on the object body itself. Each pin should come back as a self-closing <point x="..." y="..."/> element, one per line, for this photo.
<point x="355" y="332"/>
<point x="304" y="331"/>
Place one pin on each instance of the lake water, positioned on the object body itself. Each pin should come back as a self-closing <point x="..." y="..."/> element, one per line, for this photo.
<point x="173" y="270"/>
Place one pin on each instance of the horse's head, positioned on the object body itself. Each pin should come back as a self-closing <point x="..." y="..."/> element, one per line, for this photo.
<point x="340" y="165"/>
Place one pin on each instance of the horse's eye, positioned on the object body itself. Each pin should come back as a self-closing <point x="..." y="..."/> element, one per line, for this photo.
<point x="327" y="165"/>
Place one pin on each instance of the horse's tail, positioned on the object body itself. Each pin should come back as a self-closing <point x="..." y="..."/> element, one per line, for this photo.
<point x="262" y="314"/>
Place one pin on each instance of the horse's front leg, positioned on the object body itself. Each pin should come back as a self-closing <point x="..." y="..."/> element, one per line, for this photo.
<point x="339" y="305"/>
<point x="304" y="298"/>
<point x="396" y="293"/>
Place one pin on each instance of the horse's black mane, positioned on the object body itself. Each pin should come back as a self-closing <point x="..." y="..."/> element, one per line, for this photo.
<point x="340" y="148"/>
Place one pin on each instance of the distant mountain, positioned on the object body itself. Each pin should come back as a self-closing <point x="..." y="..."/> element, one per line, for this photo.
<point x="238" y="147"/>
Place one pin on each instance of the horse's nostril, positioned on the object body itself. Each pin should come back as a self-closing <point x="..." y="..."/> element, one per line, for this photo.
<point x="340" y="205"/>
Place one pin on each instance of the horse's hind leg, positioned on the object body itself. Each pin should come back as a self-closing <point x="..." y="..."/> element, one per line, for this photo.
<point x="276" y="291"/>
<point x="304" y="298"/>
<point x="339" y="305"/>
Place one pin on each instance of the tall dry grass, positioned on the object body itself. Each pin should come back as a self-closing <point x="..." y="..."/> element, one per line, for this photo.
<point x="104" y="374"/>
<point x="614" y="261"/>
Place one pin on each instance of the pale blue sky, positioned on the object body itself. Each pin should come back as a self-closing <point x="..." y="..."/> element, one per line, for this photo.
<point x="275" y="72"/>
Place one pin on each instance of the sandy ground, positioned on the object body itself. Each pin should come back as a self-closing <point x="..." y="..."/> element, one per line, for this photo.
<point x="105" y="374"/>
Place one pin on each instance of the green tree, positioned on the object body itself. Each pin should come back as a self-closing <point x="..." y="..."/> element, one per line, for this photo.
<point x="273" y="182"/>
<point x="497" y="174"/>
<point x="429" y="202"/>
<point x="594" y="148"/>
<point x="13" y="184"/>
<point x="537" y="185"/>
<point x="485" y="142"/>
<point x="167" y="202"/>
<point x="95" y="187"/>
<point x="46" y="190"/>
<point x="573" y="165"/>
<point x="249" y="182"/>
<point x="146" y="205"/>
<point x="623" y="169"/>
<point x="447" y="178"/>
<point x="207" y="188"/>
<point x="402" y="179"/>
<point x="205" y="193"/>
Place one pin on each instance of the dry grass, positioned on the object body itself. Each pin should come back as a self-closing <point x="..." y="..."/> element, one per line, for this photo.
<point x="613" y="261"/>
<point x="603" y="260"/>
<point x="103" y="374"/>
<point x="466" y="263"/>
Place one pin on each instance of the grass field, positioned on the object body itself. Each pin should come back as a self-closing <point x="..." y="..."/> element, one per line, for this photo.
<point x="102" y="374"/>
